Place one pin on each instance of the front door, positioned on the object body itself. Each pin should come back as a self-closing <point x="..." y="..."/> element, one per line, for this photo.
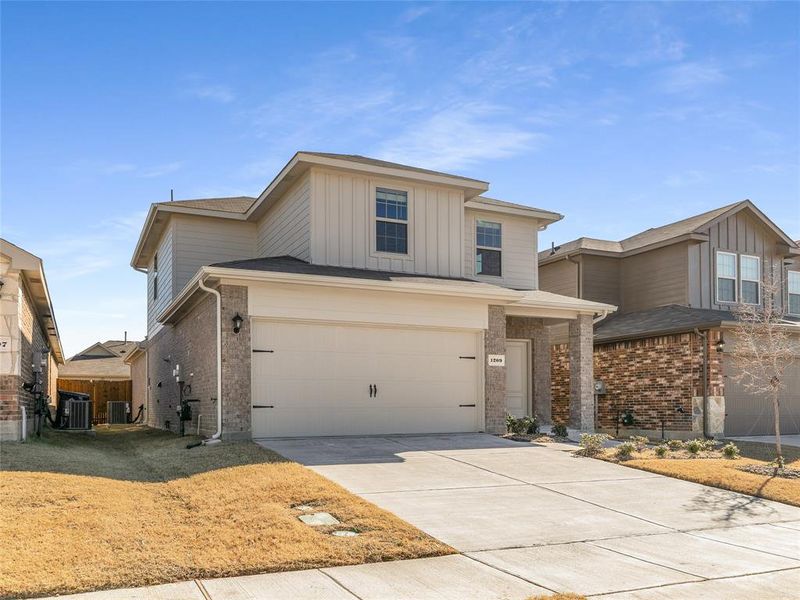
<point x="517" y="362"/>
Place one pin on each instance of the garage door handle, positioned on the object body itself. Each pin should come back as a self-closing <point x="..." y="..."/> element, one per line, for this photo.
<point x="466" y="406"/>
<point x="467" y="357"/>
<point x="263" y="406"/>
<point x="270" y="351"/>
<point x="371" y="391"/>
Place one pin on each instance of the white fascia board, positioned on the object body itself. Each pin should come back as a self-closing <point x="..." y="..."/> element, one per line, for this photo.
<point x="541" y="215"/>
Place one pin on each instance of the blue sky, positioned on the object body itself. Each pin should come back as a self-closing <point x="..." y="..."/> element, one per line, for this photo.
<point x="621" y="116"/>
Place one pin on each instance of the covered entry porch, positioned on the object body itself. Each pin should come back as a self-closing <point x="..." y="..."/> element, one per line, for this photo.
<point x="521" y="383"/>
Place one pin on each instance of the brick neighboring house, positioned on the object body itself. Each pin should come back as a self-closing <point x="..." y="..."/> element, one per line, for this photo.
<point x="356" y="296"/>
<point x="670" y="282"/>
<point x="28" y="327"/>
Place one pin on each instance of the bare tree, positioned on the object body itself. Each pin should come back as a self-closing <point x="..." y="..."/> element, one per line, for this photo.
<point x="765" y="347"/>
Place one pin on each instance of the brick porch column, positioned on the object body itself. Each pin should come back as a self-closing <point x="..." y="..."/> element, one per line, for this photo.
<point x="542" y="390"/>
<point x="581" y="374"/>
<point x="495" y="380"/>
<point x="236" y="356"/>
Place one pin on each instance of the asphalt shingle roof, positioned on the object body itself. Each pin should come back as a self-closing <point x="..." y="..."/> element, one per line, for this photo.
<point x="661" y="320"/>
<point x="235" y="204"/>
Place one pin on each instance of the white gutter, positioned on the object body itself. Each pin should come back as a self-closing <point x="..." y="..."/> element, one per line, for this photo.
<point x="216" y="437"/>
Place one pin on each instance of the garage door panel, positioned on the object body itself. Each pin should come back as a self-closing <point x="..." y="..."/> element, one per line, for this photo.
<point x="317" y="378"/>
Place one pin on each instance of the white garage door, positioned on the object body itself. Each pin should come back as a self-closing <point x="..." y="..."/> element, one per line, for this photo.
<point x="327" y="379"/>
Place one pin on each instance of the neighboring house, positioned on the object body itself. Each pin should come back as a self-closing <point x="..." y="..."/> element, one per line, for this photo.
<point x="356" y="296"/>
<point x="668" y="282"/>
<point x="28" y="333"/>
<point x="100" y="371"/>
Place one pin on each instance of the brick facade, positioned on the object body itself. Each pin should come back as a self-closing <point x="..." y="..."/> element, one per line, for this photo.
<point x="651" y="376"/>
<point x="191" y="343"/>
<point x="30" y="339"/>
<point x="495" y="379"/>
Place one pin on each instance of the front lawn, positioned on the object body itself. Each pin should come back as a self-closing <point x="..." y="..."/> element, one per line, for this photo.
<point x="132" y="507"/>
<point x="714" y="470"/>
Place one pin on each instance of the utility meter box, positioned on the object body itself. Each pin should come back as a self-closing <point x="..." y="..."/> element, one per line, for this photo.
<point x="599" y="387"/>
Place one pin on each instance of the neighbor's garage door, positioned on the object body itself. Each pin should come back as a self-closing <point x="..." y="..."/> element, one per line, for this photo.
<point x="748" y="414"/>
<point x="327" y="379"/>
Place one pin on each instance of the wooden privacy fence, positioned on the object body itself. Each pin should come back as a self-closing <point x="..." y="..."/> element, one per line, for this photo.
<point x="101" y="392"/>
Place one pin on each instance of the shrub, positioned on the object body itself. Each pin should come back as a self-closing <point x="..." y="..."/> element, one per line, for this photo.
<point x="592" y="443"/>
<point x="661" y="450"/>
<point x="730" y="450"/>
<point x="708" y="444"/>
<point x="522" y="425"/>
<point x="625" y="450"/>
<point x="639" y="441"/>
<point x="675" y="444"/>
<point x="559" y="429"/>
<point x="694" y="446"/>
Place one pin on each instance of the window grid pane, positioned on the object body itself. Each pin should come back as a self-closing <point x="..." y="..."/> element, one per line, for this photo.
<point x="726" y="265"/>
<point x="488" y="235"/>
<point x="794" y="282"/>
<point x="488" y="262"/>
<point x="391" y="204"/>
<point x="750" y="268"/>
<point x="726" y="290"/>
<point x="750" y="292"/>
<point x="794" y="304"/>
<point x="391" y="237"/>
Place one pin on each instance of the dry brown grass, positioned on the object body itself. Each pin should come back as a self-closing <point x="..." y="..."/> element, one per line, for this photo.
<point x="133" y="507"/>
<point x="559" y="597"/>
<point x="723" y="473"/>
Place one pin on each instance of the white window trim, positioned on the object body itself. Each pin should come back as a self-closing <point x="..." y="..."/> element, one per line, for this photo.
<point x="478" y="247"/>
<point x="735" y="277"/>
<point x="373" y="219"/>
<point x="742" y="279"/>
<point x="788" y="293"/>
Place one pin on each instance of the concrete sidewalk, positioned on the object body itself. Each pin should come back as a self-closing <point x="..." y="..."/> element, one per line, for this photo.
<point x="531" y="519"/>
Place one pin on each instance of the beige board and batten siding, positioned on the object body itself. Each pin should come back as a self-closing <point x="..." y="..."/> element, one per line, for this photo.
<point x="740" y="234"/>
<point x="519" y="240"/>
<point x="343" y="224"/>
<point x="165" y="276"/>
<point x="559" y="277"/>
<point x="201" y="241"/>
<point x="655" y="278"/>
<point x="601" y="278"/>
<point x="285" y="230"/>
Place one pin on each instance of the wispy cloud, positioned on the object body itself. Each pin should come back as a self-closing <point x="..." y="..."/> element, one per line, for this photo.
<point x="217" y="93"/>
<point x="412" y="14"/>
<point x="459" y="136"/>
<point x="686" y="179"/>
<point x="691" y="77"/>
<point x="159" y="170"/>
<point x="94" y="168"/>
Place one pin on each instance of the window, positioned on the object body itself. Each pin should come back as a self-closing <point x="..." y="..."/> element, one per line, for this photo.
<point x="391" y="226"/>
<point x="155" y="276"/>
<point x="488" y="244"/>
<point x="750" y="270"/>
<point x="726" y="277"/>
<point x="793" y="279"/>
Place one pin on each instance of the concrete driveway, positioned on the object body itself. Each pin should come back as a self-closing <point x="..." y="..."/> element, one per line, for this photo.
<point x="786" y="440"/>
<point x="531" y="518"/>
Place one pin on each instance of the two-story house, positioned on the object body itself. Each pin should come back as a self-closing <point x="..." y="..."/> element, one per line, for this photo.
<point x="354" y="296"/>
<point x="675" y="287"/>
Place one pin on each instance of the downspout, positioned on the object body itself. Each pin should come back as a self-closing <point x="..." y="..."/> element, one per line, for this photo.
<point x="216" y="437"/>
<point x="24" y="434"/>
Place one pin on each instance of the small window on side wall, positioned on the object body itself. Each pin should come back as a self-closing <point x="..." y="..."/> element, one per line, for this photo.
<point x="488" y="248"/>
<point x="750" y="269"/>
<point x="726" y="277"/>
<point x="155" y="276"/>
<point x="793" y="283"/>
<point x="391" y="224"/>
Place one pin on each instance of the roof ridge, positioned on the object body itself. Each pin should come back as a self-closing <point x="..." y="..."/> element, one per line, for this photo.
<point x="715" y="211"/>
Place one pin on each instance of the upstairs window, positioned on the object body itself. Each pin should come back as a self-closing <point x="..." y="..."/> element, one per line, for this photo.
<point x="391" y="226"/>
<point x="750" y="268"/>
<point x="155" y="276"/>
<point x="488" y="248"/>
<point x="793" y="280"/>
<point x="726" y="277"/>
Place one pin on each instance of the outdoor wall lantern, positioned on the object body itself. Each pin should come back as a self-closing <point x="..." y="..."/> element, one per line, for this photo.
<point x="721" y="344"/>
<point x="237" y="323"/>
